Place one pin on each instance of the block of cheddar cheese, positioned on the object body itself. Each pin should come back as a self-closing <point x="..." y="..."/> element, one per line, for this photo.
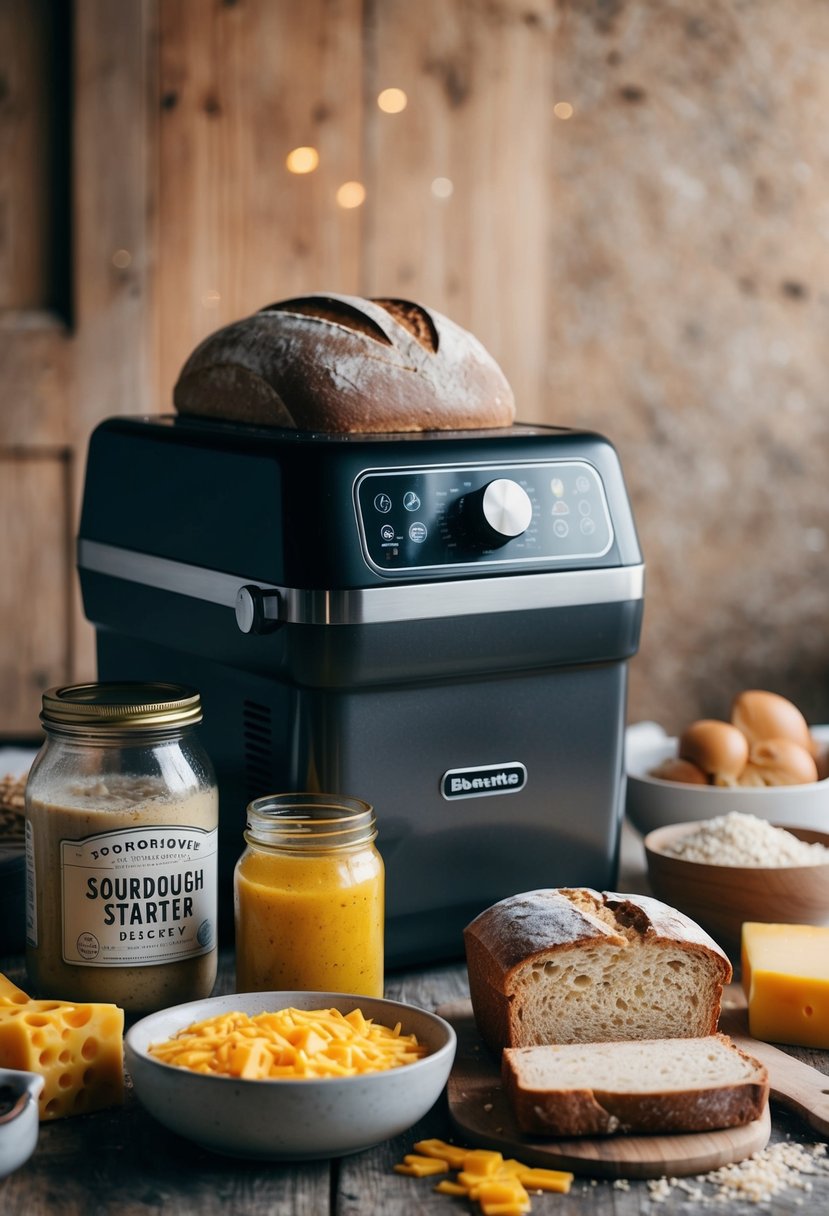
<point x="785" y="975"/>
<point x="77" y="1048"/>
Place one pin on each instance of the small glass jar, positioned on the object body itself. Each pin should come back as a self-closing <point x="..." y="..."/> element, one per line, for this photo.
<point x="121" y="848"/>
<point x="309" y="897"/>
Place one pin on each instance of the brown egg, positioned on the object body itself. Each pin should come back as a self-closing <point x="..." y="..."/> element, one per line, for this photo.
<point x="778" y="762"/>
<point x="676" y="769"/>
<point x="767" y="715"/>
<point x="718" y="748"/>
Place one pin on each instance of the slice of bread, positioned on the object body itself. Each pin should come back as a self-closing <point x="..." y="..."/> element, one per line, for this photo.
<point x="655" y="1085"/>
<point x="572" y="965"/>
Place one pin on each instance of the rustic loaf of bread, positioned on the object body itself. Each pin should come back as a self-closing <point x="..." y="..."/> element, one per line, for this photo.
<point x="345" y="364"/>
<point x="655" y="1085"/>
<point x="573" y="965"/>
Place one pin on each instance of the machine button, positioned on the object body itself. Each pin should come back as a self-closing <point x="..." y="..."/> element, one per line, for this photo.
<point x="411" y="501"/>
<point x="417" y="532"/>
<point x="257" y="610"/>
<point x="495" y="514"/>
<point x="387" y="532"/>
<point x="382" y="503"/>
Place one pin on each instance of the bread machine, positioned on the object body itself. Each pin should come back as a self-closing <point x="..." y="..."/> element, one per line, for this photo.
<point x="437" y="622"/>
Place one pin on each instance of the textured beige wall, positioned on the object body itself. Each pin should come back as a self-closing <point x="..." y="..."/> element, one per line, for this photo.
<point x="689" y="315"/>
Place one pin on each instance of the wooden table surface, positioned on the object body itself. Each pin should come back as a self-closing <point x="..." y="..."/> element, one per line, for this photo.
<point x="122" y="1161"/>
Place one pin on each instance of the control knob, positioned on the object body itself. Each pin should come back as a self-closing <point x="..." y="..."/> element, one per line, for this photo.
<point x="495" y="514"/>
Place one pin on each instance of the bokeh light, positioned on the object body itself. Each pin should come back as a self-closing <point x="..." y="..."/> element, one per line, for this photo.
<point x="302" y="160"/>
<point x="351" y="194"/>
<point x="392" y="101"/>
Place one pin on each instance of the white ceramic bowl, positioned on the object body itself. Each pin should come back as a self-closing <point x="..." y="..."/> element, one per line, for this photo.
<point x="284" y="1119"/>
<point x="19" y="1122"/>
<point x="653" y="803"/>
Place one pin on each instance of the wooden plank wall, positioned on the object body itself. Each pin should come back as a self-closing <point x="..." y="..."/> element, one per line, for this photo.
<point x="66" y="361"/>
<point x="242" y="84"/>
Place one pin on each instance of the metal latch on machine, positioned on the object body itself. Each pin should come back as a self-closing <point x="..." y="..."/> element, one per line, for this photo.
<point x="257" y="609"/>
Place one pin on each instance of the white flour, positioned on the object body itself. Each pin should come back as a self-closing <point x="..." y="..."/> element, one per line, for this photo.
<point x="737" y="839"/>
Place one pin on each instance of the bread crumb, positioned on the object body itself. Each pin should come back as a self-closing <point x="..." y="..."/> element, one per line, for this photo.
<point x="758" y="1179"/>
<point x="487" y="1107"/>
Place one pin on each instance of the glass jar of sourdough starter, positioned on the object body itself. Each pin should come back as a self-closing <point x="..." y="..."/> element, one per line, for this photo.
<point x="309" y="897"/>
<point x="121" y="848"/>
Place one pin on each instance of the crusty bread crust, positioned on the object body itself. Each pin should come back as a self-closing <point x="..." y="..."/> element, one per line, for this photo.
<point x="338" y="363"/>
<point x="558" y="927"/>
<point x="601" y="1109"/>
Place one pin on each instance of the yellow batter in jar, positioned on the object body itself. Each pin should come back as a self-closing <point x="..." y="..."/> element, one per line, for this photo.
<point x="309" y="897"/>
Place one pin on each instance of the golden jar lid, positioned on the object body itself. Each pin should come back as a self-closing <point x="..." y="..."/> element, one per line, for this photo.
<point x="121" y="706"/>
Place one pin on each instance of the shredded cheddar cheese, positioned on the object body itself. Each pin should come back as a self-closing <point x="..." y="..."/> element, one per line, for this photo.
<point x="499" y="1187"/>
<point x="289" y="1043"/>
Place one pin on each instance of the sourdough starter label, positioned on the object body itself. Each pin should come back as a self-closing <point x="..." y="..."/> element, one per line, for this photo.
<point x="139" y="896"/>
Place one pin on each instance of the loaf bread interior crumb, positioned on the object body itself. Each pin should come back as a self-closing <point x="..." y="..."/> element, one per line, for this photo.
<point x="596" y="992"/>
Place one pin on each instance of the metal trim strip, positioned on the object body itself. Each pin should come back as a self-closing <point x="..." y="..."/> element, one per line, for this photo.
<point x="373" y="605"/>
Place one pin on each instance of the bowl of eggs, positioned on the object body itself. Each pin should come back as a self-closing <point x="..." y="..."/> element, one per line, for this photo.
<point x="289" y="1076"/>
<point x="764" y="760"/>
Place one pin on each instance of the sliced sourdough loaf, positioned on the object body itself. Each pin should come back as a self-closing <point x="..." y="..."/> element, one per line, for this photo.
<point x="654" y="1085"/>
<point x="573" y="965"/>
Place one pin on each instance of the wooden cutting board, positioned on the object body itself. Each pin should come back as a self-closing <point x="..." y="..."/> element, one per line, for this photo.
<point x="482" y="1116"/>
<point x="795" y="1085"/>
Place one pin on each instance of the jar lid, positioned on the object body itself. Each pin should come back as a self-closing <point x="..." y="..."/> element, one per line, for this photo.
<point x="125" y="706"/>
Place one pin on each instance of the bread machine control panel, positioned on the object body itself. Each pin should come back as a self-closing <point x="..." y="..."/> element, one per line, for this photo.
<point x="415" y="519"/>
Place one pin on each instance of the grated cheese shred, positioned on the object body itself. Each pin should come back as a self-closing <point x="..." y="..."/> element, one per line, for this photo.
<point x="499" y="1187"/>
<point x="289" y="1043"/>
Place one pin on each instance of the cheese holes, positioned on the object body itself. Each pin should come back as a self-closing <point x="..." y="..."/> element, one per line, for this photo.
<point x="90" y="1048"/>
<point x="79" y="1016"/>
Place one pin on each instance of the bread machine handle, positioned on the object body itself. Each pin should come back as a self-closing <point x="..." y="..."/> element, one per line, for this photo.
<point x="257" y="610"/>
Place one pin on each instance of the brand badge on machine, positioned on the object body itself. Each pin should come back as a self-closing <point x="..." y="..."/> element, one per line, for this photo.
<point x="482" y="781"/>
